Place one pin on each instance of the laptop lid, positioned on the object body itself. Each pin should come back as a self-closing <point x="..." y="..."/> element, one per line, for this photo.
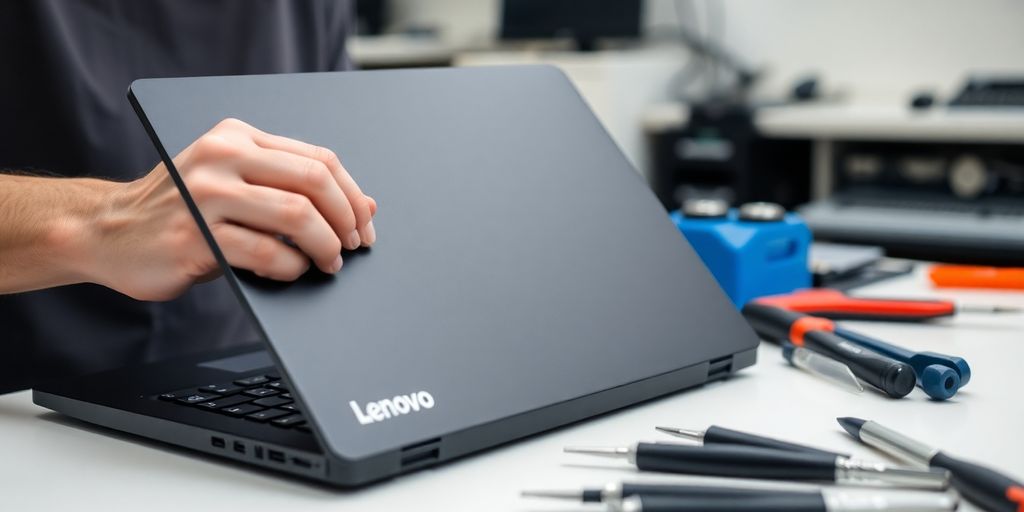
<point x="521" y="262"/>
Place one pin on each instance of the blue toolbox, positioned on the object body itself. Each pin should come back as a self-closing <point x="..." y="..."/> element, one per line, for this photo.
<point x="755" y="250"/>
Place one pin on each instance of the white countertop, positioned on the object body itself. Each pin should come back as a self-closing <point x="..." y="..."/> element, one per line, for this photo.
<point x="892" y="123"/>
<point x="52" y="463"/>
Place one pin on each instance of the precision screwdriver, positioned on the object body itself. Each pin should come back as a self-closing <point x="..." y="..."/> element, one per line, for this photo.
<point x="715" y="435"/>
<point x="986" y="487"/>
<point x="614" y="492"/>
<point x="829" y="500"/>
<point x="766" y="463"/>
<point x="837" y="305"/>
<point x="895" y="378"/>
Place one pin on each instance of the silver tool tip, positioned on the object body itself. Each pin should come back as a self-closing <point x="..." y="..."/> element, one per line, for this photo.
<point x="561" y="495"/>
<point x="600" y="451"/>
<point x="851" y="425"/>
<point x="695" y="435"/>
<point x="988" y="308"/>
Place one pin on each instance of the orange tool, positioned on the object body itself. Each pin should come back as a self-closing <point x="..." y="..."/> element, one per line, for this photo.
<point x="965" y="276"/>
<point x="837" y="305"/>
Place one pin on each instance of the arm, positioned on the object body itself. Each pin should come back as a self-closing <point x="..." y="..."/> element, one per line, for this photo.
<point x="44" y="226"/>
<point x="139" y="238"/>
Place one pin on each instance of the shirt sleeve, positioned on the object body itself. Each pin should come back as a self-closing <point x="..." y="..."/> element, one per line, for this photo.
<point x="340" y="25"/>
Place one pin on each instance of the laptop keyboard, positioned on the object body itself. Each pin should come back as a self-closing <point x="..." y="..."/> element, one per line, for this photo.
<point x="261" y="398"/>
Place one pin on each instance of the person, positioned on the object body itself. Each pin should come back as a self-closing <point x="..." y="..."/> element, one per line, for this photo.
<point x="101" y="263"/>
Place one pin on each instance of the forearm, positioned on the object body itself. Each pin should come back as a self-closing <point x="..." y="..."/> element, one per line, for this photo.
<point x="46" y="227"/>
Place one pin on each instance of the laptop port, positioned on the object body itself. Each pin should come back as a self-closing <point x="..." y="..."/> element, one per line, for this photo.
<point x="421" y="454"/>
<point x="421" y="458"/>
<point x="257" y="451"/>
<point x="218" y="442"/>
<point x="239" y="447"/>
<point x="275" y="455"/>
<point x="302" y="463"/>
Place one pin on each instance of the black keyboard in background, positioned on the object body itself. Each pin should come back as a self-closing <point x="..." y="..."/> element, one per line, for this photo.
<point x="995" y="92"/>
<point x="260" y="398"/>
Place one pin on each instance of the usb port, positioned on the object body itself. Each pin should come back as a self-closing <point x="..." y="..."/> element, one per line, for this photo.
<point x="218" y="442"/>
<point x="302" y="463"/>
<point x="275" y="455"/>
<point x="239" y="447"/>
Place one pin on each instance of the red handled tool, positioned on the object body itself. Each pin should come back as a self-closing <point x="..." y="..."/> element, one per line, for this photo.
<point x="837" y="305"/>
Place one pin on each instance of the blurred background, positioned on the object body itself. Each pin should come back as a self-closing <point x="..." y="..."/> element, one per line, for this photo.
<point x="898" y="125"/>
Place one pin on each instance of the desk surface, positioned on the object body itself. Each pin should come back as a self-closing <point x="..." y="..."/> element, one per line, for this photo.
<point x="52" y="463"/>
<point x="866" y="122"/>
<point x="892" y="123"/>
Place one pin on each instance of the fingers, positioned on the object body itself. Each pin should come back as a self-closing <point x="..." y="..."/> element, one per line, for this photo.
<point x="259" y="252"/>
<point x="275" y="211"/>
<point x="359" y="202"/>
<point x="367" y="233"/>
<point x="309" y="177"/>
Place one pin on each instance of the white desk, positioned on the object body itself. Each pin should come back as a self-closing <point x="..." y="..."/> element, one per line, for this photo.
<point x="892" y="123"/>
<point x="50" y="463"/>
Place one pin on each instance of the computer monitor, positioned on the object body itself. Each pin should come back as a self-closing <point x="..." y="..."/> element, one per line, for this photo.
<point x="371" y="17"/>
<point x="585" y="22"/>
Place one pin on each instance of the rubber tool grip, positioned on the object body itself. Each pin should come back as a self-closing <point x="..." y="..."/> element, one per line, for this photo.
<point x="735" y="461"/>
<point x="690" y="491"/>
<point x="725" y="436"/>
<point x="771" y="323"/>
<point x="836" y="305"/>
<point x="802" y="503"/>
<point x="986" y="487"/>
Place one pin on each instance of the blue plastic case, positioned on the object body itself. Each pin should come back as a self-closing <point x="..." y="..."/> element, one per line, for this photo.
<point x="751" y="258"/>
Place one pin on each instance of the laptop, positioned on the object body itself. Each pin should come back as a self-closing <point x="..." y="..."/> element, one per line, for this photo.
<point x="524" y="278"/>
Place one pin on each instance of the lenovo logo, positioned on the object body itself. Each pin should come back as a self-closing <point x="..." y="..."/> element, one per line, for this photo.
<point x="399" y="405"/>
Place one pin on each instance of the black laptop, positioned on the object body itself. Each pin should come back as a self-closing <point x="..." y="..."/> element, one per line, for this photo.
<point x="545" y="287"/>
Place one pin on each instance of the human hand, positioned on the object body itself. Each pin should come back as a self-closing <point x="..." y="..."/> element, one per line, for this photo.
<point x="250" y="187"/>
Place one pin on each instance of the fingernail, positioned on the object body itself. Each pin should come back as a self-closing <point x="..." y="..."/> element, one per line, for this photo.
<point x="371" y="234"/>
<point x="336" y="266"/>
<point x="352" y="240"/>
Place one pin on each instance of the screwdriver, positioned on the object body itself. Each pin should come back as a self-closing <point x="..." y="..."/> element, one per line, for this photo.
<point x="986" y="487"/>
<point x="826" y="501"/>
<point x="895" y="378"/>
<point x="670" y="497"/>
<point x="715" y="435"/>
<point x="766" y="463"/>
<point x="614" y="492"/>
<point x="940" y="376"/>
<point x="837" y="305"/>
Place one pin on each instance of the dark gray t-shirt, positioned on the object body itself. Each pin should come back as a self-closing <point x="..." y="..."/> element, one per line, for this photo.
<point x="65" y="67"/>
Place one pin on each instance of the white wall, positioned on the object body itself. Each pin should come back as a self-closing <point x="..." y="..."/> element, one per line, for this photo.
<point x="879" y="50"/>
<point x="873" y="51"/>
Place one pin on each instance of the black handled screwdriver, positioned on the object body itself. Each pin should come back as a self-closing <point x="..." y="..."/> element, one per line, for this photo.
<point x="810" y="502"/>
<point x="715" y="435"/>
<point x="615" y="492"/>
<point x="766" y="463"/>
<point x="895" y="378"/>
<point x="986" y="487"/>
